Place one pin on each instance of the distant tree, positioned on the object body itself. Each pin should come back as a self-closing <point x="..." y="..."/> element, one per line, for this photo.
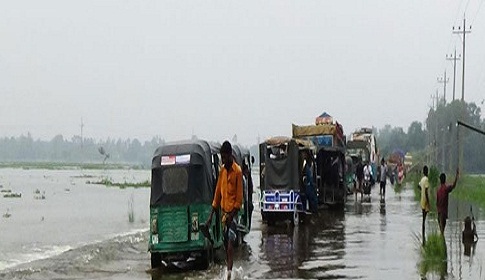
<point x="416" y="137"/>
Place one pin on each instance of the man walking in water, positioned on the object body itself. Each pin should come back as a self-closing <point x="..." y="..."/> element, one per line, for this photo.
<point x="228" y="196"/>
<point x="310" y="191"/>
<point x="382" y="179"/>
<point x="442" y="199"/>
<point x="424" y="186"/>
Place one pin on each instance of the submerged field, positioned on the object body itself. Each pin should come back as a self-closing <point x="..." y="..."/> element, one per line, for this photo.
<point x="470" y="188"/>
<point x="68" y="165"/>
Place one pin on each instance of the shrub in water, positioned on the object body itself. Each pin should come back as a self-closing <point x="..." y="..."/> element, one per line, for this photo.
<point x="434" y="255"/>
<point x="131" y="211"/>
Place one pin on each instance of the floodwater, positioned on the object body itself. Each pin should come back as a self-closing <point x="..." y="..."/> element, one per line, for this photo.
<point x="82" y="231"/>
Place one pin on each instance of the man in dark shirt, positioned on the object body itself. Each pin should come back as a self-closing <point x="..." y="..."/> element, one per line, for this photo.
<point x="359" y="174"/>
<point x="442" y="199"/>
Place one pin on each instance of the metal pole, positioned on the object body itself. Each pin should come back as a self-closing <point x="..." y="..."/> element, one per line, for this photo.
<point x="454" y="75"/>
<point x="444" y="87"/>
<point x="463" y="71"/>
<point x="471" y="127"/>
<point x="463" y="105"/>
<point x="453" y="58"/>
<point x="443" y="150"/>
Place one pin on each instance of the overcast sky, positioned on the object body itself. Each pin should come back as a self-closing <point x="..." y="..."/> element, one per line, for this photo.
<point x="138" y="69"/>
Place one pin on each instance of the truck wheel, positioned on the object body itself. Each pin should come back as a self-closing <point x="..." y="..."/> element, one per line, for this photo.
<point x="156" y="259"/>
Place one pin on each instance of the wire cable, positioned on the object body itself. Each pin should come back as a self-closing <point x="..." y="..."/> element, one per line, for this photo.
<point x="476" y="14"/>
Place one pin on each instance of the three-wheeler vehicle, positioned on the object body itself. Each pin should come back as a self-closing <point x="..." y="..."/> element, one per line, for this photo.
<point x="183" y="180"/>
<point x="282" y="182"/>
<point x="244" y="159"/>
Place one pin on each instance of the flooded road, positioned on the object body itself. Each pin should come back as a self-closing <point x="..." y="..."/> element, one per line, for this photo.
<point x="370" y="240"/>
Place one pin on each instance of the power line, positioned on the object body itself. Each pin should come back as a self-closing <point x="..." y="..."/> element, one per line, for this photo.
<point x="476" y="14"/>
<point x="455" y="19"/>
<point x="466" y="7"/>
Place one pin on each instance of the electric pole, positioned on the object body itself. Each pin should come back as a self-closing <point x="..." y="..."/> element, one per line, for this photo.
<point x="444" y="80"/>
<point x="435" y="138"/>
<point x="82" y="141"/>
<point x="462" y="31"/>
<point x="82" y="126"/>
<point x="454" y="58"/>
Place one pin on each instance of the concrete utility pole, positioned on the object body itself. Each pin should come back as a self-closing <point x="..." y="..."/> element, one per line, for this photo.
<point x="82" y="141"/>
<point x="435" y="144"/>
<point x="444" y="80"/>
<point x="462" y="31"/>
<point x="454" y="58"/>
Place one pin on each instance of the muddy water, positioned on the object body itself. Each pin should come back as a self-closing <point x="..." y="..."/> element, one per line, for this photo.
<point x="369" y="240"/>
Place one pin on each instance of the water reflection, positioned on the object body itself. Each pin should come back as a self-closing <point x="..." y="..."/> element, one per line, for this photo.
<point x="305" y="251"/>
<point x="469" y="248"/>
<point x="360" y="208"/>
<point x="382" y="208"/>
<point x="280" y="250"/>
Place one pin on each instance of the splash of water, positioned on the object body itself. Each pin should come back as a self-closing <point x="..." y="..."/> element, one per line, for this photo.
<point x="236" y="274"/>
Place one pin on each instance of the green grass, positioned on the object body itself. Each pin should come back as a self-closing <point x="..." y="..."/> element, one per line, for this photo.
<point x="470" y="188"/>
<point x="398" y="188"/>
<point x="109" y="183"/>
<point x="433" y="255"/>
<point x="413" y="179"/>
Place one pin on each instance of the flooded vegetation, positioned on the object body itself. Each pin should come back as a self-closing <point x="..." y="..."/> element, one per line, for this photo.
<point x="375" y="239"/>
<point x="110" y="183"/>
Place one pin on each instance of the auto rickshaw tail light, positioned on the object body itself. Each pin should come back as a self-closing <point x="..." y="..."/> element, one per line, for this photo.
<point x="195" y="222"/>
<point x="154" y="226"/>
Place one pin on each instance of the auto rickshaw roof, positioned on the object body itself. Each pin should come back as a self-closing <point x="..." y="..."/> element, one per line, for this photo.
<point x="281" y="140"/>
<point x="200" y="151"/>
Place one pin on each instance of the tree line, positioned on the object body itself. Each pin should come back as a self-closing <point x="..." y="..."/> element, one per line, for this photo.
<point x="78" y="150"/>
<point x="436" y="141"/>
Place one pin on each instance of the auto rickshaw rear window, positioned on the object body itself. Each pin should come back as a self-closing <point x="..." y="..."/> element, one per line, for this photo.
<point x="175" y="180"/>
<point x="278" y="152"/>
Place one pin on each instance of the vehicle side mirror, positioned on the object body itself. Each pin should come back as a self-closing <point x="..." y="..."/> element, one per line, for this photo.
<point x="252" y="159"/>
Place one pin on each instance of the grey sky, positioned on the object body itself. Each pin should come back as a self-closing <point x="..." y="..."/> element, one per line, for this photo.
<point x="137" y="69"/>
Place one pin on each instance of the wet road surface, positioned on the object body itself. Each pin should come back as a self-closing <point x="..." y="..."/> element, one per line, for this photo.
<point x="369" y="240"/>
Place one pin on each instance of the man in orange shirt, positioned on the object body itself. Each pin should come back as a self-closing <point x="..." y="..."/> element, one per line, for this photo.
<point x="228" y="196"/>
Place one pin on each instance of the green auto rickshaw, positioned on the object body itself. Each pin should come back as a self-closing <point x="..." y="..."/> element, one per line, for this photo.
<point x="244" y="159"/>
<point x="183" y="181"/>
